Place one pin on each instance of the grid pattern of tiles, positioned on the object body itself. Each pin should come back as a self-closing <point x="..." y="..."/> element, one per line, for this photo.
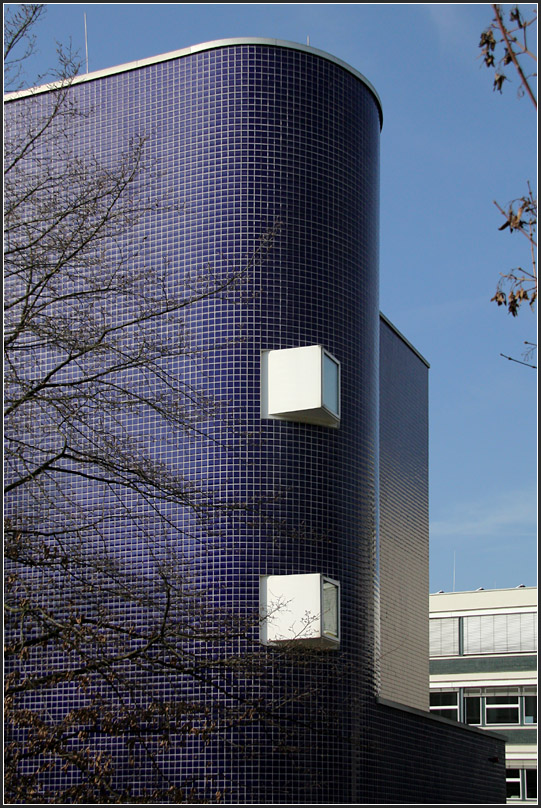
<point x="243" y="142"/>
<point x="246" y="146"/>
<point x="435" y="761"/>
<point x="403" y="522"/>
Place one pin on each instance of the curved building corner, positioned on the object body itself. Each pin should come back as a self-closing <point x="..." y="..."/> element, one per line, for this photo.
<point x="325" y="432"/>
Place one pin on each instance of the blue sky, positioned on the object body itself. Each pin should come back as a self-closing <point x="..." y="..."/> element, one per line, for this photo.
<point x="450" y="146"/>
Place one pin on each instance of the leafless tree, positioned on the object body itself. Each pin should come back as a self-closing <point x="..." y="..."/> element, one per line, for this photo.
<point x="19" y="33"/>
<point x="96" y="635"/>
<point x="504" y="44"/>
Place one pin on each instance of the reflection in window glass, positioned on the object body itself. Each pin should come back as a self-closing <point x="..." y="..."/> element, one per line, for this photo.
<point x="331" y="386"/>
<point x="530" y="709"/>
<point x="330" y="608"/>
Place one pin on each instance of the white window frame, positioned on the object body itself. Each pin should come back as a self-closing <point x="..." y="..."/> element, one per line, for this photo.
<point x="442" y="709"/>
<point x="504" y="703"/>
<point x="514" y="780"/>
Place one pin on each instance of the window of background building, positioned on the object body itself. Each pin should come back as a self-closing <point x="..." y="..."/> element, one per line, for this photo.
<point x="445" y="704"/>
<point x="500" y="633"/>
<point x="530" y="779"/>
<point x="530" y="709"/>
<point x="521" y="784"/>
<point x="490" y="707"/>
<point x="502" y="709"/>
<point x="512" y="779"/>
<point x="483" y="634"/>
<point x="444" y="636"/>
<point x="472" y="709"/>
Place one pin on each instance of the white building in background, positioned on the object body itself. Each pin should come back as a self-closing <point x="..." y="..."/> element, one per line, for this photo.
<point x="483" y="672"/>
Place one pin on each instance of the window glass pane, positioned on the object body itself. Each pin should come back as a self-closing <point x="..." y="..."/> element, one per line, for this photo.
<point x="330" y="608"/>
<point x="512" y="777"/>
<point x="439" y="699"/>
<point x="531" y="784"/>
<point x="503" y="699"/>
<point x="502" y="715"/>
<point x="472" y="710"/>
<point x="331" y="392"/>
<point x="446" y="712"/>
<point x="530" y="709"/>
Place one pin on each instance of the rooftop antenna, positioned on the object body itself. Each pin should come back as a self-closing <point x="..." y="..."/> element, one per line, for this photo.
<point x="86" y="46"/>
<point x="308" y="39"/>
<point x="454" y="569"/>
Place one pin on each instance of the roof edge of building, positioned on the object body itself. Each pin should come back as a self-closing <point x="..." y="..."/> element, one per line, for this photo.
<point x="482" y="589"/>
<point x="203" y="46"/>
<point x="404" y="339"/>
<point x="440" y="719"/>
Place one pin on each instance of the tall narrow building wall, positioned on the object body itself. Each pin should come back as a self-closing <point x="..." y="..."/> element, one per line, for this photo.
<point x="403" y="521"/>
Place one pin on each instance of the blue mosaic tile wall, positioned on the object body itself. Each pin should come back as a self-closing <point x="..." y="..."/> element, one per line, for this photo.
<point x="301" y="151"/>
<point x="242" y="141"/>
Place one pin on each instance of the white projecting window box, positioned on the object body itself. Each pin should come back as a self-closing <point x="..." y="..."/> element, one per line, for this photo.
<point x="301" y="384"/>
<point x="300" y="610"/>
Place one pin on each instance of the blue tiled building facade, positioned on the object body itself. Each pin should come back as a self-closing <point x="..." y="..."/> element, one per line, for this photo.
<point x="247" y="139"/>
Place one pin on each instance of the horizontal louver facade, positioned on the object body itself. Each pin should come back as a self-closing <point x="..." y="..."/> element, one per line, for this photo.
<point x="483" y="634"/>
<point x="444" y="636"/>
<point x="500" y="633"/>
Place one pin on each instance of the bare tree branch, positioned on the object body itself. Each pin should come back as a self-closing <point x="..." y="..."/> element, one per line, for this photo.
<point x="89" y="628"/>
<point x="518" y="285"/>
